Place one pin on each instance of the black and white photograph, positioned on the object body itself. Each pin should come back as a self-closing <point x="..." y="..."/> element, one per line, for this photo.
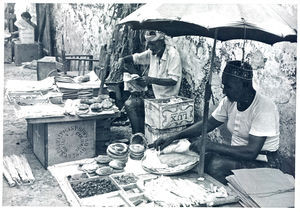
<point x="165" y="104"/>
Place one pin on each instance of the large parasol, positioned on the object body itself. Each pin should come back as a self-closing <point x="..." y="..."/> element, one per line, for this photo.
<point x="267" y="23"/>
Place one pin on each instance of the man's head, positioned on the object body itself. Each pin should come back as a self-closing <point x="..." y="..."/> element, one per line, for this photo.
<point x="26" y="16"/>
<point x="237" y="80"/>
<point x="155" y="42"/>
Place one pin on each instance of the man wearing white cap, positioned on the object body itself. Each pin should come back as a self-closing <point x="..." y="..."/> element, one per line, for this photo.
<point x="165" y="72"/>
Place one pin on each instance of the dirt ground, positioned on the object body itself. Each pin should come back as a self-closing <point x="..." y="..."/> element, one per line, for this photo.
<point x="45" y="191"/>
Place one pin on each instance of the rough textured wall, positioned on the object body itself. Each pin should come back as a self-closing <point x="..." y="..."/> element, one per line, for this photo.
<point x="87" y="27"/>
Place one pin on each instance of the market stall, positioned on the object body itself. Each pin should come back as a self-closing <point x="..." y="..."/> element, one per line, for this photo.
<point x="62" y="119"/>
<point x="85" y="183"/>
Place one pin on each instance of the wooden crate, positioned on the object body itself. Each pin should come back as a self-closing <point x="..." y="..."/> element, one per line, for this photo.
<point x="163" y="114"/>
<point x="45" y="66"/>
<point x="25" y="52"/>
<point x="152" y="134"/>
<point x="55" y="143"/>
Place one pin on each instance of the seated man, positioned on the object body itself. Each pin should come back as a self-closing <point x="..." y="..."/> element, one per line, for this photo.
<point x="251" y="118"/>
<point x="164" y="75"/>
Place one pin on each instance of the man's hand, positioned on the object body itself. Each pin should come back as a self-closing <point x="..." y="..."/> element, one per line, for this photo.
<point x="143" y="81"/>
<point x="161" y="143"/>
<point x="194" y="146"/>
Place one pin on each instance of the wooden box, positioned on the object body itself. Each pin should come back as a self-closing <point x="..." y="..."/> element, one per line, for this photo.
<point x="60" y="142"/>
<point x="45" y="66"/>
<point x="152" y="134"/>
<point x="169" y="113"/>
<point x="25" y="52"/>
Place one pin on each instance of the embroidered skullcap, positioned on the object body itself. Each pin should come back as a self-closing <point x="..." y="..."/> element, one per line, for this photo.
<point x="154" y="35"/>
<point x="238" y="69"/>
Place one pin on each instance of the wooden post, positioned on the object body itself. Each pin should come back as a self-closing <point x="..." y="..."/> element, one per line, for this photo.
<point x="207" y="94"/>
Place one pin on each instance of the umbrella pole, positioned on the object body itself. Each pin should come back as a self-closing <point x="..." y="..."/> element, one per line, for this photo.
<point x="207" y="94"/>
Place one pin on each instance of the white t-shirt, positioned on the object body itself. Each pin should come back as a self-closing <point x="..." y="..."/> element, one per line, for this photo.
<point x="169" y="66"/>
<point x="260" y="119"/>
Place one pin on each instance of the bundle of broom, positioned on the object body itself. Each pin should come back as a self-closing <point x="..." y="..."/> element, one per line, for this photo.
<point x="17" y="171"/>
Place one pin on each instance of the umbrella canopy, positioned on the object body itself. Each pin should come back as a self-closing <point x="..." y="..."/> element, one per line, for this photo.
<point x="265" y="23"/>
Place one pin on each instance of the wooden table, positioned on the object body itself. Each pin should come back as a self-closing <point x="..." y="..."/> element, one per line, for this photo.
<point x="67" y="138"/>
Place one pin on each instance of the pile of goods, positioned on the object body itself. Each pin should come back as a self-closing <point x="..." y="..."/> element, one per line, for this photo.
<point x="169" y="163"/>
<point x="72" y="87"/>
<point x="26" y="98"/>
<point x="17" y="171"/>
<point x="137" y="146"/>
<point x="168" y="192"/>
<point x="99" y="167"/>
<point x="96" y="105"/>
<point x="119" y="153"/>
<point x="92" y="187"/>
<point x="116" y="190"/>
<point x="125" y="179"/>
<point x="92" y="106"/>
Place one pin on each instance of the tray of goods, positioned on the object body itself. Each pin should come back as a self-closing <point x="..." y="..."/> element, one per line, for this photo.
<point x="124" y="179"/>
<point x="95" y="106"/>
<point x="114" y="199"/>
<point x="26" y="98"/>
<point x="93" y="186"/>
<point x="132" y="190"/>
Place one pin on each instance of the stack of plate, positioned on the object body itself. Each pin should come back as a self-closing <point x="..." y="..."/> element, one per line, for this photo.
<point x="136" y="151"/>
<point x="119" y="153"/>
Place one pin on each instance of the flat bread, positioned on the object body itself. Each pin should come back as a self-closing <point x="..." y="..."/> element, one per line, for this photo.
<point x="177" y="159"/>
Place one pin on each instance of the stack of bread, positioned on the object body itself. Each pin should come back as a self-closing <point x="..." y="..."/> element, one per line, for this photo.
<point x="137" y="146"/>
<point x="136" y="151"/>
<point x="118" y="152"/>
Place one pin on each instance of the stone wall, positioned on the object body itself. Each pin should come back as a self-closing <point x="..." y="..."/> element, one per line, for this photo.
<point x="88" y="26"/>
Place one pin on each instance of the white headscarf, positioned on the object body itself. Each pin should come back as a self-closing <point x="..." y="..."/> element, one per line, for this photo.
<point x="154" y="35"/>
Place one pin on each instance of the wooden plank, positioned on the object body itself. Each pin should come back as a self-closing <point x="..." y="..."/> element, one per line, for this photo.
<point x="48" y="30"/>
<point x="69" y="118"/>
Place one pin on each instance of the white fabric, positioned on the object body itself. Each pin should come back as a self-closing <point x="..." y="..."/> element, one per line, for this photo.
<point x="260" y="119"/>
<point x="169" y="66"/>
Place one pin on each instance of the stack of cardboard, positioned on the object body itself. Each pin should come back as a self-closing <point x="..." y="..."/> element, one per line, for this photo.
<point x="263" y="187"/>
